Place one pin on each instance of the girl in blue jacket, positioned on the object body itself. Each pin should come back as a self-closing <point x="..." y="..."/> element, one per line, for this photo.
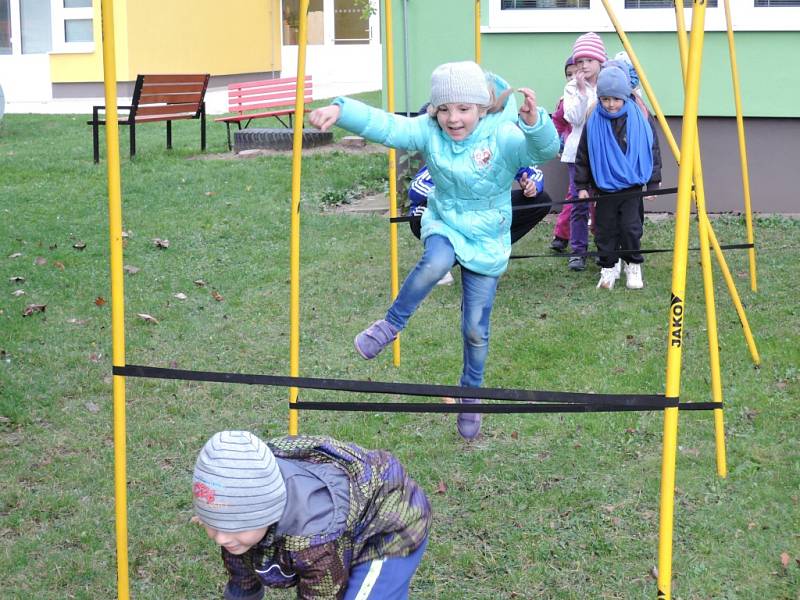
<point x="473" y="142"/>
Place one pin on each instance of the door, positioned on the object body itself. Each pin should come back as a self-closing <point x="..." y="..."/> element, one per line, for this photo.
<point x="344" y="50"/>
<point x="25" y="41"/>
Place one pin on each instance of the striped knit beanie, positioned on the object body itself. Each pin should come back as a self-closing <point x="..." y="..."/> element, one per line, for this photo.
<point x="589" y="45"/>
<point x="459" y="82"/>
<point x="237" y="485"/>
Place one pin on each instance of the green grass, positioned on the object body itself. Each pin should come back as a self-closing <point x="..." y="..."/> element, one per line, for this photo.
<point x="543" y="506"/>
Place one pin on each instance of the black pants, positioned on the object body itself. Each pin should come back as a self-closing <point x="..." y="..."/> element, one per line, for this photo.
<point x="618" y="226"/>
<point x="522" y="220"/>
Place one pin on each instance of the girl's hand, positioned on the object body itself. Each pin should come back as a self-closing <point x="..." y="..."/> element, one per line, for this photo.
<point x="528" y="111"/>
<point x="580" y="80"/>
<point x="324" y="118"/>
<point x="528" y="186"/>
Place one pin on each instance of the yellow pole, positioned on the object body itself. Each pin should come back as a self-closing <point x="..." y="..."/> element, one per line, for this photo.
<point x="676" y="152"/>
<point x="294" y="244"/>
<point x="703" y="226"/>
<point x="748" y="214"/>
<point x="389" y="37"/>
<point x="117" y="295"/>
<point x="676" y="316"/>
<point x="478" y="31"/>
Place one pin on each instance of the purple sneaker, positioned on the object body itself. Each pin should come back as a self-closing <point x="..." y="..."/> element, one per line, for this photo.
<point x="469" y="424"/>
<point x="375" y="338"/>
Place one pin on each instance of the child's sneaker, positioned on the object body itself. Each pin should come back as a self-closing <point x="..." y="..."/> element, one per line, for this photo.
<point x="607" y="278"/>
<point x="375" y="338"/>
<point x="558" y="244"/>
<point x="576" y="263"/>
<point x="633" y="277"/>
<point x="469" y="424"/>
<point x="447" y="279"/>
<point x="617" y="269"/>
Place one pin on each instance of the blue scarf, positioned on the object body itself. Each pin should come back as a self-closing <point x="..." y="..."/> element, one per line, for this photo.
<point x="612" y="170"/>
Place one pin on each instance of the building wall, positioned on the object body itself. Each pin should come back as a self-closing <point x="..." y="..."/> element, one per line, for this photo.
<point x="153" y="36"/>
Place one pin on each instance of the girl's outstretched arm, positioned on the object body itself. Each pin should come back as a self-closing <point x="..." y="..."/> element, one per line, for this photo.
<point x="324" y="118"/>
<point x="528" y="111"/>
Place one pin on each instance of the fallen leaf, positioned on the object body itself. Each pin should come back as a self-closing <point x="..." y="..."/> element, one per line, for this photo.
<point x="79" y="245"/>
<point x="199" y="282"/>
<point x="75" y="321"/>
<point x="515" y="435"/>
<point x="33" y="308"/>
<point x="785" y="559"/>
<point x="217" y="296"/>
<point x="92" y="407"/>
<point x="95" y="357"/>
<point x="39" y="261"/>
<point x="173" y="364"/>
<point x="99" y="301"/>
<point x="15" y="255"/>
<point x="125" y="235"/>
<point x="16" y="279"/>
<point x="159" y="243"/>
<point x="448" y="400"/>
<point x="654" y="573"/>
<point x="210" y="193"/>
<point x="543" y="316"/>
<point x="147" y="318"/>
<point x="441" y="488"/>
<point x="130" y="269"/>
<point x="180" y="296"/>
<point x="18" y="293"/>
<point x="58" y="265"/>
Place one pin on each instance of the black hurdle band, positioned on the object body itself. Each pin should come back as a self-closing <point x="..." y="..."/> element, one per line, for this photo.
<point x="624" y="252"/>
<point x="405" y="389"/>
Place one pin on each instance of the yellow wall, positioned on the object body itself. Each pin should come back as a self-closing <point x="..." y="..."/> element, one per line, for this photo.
<point x="181" y="36"/>
<point x="205" y="36"/>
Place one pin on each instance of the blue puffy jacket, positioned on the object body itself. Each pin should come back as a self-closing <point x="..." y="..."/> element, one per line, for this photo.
<point x="471" y="202"/>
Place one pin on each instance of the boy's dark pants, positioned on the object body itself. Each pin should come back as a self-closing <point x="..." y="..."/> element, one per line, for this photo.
<point x="618" y="227"/>
<point x="522" y="220"/>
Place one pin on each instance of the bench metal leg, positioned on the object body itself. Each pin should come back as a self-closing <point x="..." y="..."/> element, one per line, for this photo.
<point x="133" y="138"/>
<point x="203" y="126"/>
<point x="169" y="135"/>
<point x="96" y="140"/>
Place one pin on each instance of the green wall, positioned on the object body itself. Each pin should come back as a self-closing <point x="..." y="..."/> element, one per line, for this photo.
<point x="443" y="31"/>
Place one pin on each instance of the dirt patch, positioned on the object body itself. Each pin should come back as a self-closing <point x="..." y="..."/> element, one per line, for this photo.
<point x="373" y="204"/>
<point x="330" y="148"/>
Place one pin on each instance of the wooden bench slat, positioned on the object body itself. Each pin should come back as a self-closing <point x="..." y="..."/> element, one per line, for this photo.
<point x="190" y="78"/>
<point x="172" y="89"/>
<point x="264" y="102"/>
<point x="146" y="99"/>
<point x="246" y="116"/>
<point x="166" y="110"/>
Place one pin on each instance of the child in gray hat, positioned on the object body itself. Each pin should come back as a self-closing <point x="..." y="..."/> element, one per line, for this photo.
<point x="329" y="517"/>
<point x="473" y="140"/>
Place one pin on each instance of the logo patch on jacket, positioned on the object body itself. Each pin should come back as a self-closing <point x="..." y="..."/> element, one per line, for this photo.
<point x="482" y="156"/>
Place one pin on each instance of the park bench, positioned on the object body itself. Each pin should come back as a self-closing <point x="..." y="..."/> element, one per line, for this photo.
<point x="261" y="99"/>
<point x="159" y="98"/>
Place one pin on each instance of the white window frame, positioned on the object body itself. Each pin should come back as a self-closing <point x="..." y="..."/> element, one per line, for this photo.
<point x="744" y="17"/>
<point x="59" y="16"/>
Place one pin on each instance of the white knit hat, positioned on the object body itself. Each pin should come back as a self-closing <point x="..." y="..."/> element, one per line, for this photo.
<point x="458" y="82"/>
<point x="237" y="485"/>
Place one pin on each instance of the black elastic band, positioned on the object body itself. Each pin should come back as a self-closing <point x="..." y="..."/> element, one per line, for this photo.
<point x="624" y="252"/>
<point x="619" y="196"/>
<point x="427" y="407"/>
<point x="649" y="401"/>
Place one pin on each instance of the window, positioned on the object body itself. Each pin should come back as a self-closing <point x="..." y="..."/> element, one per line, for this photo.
<point x="291" y="22"/>
<point x="663" y="3"/>
<point x="776" y="3"/>
<point x="73" y="25"/>
<point x="527" y="4"/>
<point x="34" y="17"/>
<point x="349" y="24"/>
<point x="5" y="27"/>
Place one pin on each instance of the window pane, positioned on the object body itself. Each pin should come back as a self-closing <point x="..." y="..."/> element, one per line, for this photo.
<point x="349" y="24"/>
<point x="291" y="22"/>
<point x="528" y="4"/>
<point x="77" y="3"/>
<point x="663" y="3"/>
<point x="78" y="30"/>
<point x="5" y="27"/>
<point x="776" y="3"/>
<point x="36" y="34"/>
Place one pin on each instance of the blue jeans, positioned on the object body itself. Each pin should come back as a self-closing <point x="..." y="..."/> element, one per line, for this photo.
<point x="477" y="298"/>
<point x="385" y="579"/>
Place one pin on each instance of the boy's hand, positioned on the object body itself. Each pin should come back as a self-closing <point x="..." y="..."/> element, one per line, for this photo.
<point x="583" y="194"/>
<point x="528" y="111"/>
<point x="528" y="186"/>
<point x="324" y="118"/>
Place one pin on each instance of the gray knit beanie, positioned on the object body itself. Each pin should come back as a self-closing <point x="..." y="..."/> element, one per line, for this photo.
<point x="613" y="82"/>
<point x="237" y="485"/>
<point x="459" y="82"/>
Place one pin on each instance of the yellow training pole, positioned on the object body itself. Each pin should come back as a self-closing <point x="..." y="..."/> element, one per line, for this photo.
<point x="677" y="307"/>
<point x="478" y="31"/>
<point x="748" y="214"/>
<point x="703" y="226"/>
<point x="117" y="295"/>
<point x="389" y="37"/>
<point x="676" y="152"/>
<point x="294" y="244"/>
